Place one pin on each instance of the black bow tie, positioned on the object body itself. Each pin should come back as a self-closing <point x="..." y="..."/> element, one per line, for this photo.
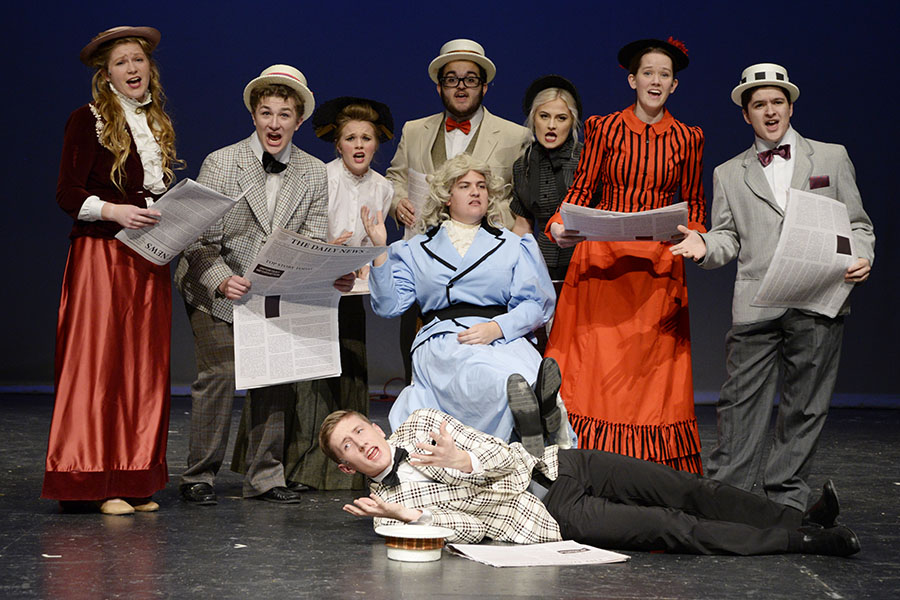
<point x="391" y="479"/>
<point x="784" y="151"/>
<point x="271" y="165"/>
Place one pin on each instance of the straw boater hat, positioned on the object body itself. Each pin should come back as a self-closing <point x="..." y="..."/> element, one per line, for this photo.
<point x="550" y="81"/>
<point x="150" y="34"/>
<point x="765" y="74"/>
<point x="325" y="116"/>
<point x="462" y="50"/>
<point x="675" y="48"/>
<point x="284" y="75"/>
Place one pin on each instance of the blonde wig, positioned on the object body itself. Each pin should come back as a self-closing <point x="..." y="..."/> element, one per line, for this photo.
<point x="436" y="209"/>
<point x="114" y="133"/>
<point x="549" y="95"/>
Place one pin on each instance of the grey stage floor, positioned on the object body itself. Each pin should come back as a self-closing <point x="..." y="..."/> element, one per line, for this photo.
<point x="250" y="549"/>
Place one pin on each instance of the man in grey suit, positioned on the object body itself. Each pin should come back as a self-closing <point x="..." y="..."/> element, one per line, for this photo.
<point x="461" y="72"/>
<point x="747" y="217"/>
<point x="283" y="187"/>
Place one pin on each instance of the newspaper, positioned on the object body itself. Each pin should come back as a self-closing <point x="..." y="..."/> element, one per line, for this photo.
<point x="813" y="253"/>
<point x="187" y="210"/>
<point x="417" y="190"/>
<point x="286" y="328"/>
<point x="657" y="225"/>
<point x="537" y="555"/>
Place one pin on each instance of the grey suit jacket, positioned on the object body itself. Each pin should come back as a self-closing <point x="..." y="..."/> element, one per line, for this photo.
<point x="747" y="221"/>
<point x="499" y="144"/>
<point x="229" y="246"/>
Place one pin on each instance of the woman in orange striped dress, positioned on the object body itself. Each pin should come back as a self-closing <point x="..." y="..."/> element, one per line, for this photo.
<point x="622" y="335"/>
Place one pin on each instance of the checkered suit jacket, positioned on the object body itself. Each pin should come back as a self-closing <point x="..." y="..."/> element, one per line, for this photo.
<point x="493" y="503"/>
<point x="229" y="246"/>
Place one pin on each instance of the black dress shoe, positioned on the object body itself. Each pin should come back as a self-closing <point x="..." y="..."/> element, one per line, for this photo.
<point x="279" y="495"/>
<point x="201" y="494"/>
<point x="546" y="387"/>
<point x="296" y="486"/>
<point x="826" y="509"/>
<point x="526" y="414"/>
<point x="834" y="541"/>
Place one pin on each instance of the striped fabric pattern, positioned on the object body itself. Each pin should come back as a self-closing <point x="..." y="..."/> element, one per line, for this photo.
<point x="651" y="165"/>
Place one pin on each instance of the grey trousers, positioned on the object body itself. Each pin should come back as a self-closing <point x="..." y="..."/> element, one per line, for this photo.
<point x="212" y="402"/>
<point x="805" y="350"/>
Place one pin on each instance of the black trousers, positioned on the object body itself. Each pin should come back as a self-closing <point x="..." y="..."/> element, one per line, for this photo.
<point x="614" y="501"/>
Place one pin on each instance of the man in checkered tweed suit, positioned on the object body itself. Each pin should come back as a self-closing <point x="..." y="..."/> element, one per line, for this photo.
<point x="283" y="187"/>
<point x="434" y="470"/>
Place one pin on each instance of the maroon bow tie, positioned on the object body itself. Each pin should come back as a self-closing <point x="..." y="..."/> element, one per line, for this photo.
<point x="784" y="151"/>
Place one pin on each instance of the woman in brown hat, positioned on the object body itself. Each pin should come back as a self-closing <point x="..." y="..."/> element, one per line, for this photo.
<point x="108" y="434"/>
<point x="621" y="334"/>
<point x="356" y="127"/>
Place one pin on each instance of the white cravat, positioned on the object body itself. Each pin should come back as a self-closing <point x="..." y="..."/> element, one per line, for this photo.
<point x="461" y="234"/>
<point x="456" y="142"/>
<point x="779" y="172"/>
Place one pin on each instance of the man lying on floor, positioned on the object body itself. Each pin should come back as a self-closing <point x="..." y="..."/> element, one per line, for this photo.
<point x="434" y="470"/>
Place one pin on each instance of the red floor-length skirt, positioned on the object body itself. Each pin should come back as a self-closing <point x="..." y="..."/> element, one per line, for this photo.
<point x="111" y="415"/>
<point x="621" y="336"/>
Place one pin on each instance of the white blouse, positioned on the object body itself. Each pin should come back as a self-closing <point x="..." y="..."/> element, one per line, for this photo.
<point x="148" y="151"/>
<point x="347" y="194"/>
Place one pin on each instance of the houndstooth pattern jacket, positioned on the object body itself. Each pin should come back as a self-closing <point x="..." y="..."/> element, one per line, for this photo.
<point x="493" y="503"/>
<point x="230" y="245"/>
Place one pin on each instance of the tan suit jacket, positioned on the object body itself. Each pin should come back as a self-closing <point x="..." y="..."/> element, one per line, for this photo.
<point x="499" y="144"/>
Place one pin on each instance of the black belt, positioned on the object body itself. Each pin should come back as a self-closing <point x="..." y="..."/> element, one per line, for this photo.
<point x="464" y="309"/>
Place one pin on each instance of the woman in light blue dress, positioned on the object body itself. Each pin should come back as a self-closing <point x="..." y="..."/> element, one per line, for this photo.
<point x="482" y="289"/>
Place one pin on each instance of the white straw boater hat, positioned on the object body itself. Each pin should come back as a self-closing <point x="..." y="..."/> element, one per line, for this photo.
<point x="764" y="74"/>
<point x="462" y="50"/>
<point x="285" y="75"/>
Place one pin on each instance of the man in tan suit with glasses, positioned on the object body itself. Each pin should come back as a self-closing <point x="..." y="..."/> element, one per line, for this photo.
<point x="461" y="72"/>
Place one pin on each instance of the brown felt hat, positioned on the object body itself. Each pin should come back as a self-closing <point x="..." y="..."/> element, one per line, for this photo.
<point x="150" y="34"/>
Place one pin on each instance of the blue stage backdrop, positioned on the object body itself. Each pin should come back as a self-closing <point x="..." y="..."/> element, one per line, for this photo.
<point x="841" y="54"/>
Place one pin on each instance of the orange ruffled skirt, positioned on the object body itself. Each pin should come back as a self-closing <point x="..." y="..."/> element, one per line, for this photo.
<point x="621" y="336"/>
<point x="111" y="415"/>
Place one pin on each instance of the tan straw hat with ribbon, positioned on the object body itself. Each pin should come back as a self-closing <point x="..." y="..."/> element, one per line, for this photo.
<point x="284" y="75"/>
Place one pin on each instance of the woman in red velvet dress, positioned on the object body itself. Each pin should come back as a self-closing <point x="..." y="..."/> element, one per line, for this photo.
<point x="622" y="335"/>
<point x="110" y="419"/>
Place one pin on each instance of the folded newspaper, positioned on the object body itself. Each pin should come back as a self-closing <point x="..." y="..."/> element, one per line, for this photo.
<point x="814" y="251"/>
<point x="188" y="209"/>
<point x="657" y="225"/>
<point x="537" y="555"/>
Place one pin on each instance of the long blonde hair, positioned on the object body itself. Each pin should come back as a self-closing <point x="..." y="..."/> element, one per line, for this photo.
<point x="436" y="210"/>
<point x="114" y="133"/>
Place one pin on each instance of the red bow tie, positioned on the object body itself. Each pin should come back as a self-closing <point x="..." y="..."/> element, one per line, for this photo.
<point x="784" y="151"/>
<point x="464" y="126"/>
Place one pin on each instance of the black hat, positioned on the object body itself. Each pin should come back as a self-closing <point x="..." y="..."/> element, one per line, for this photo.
<point x="327" y="113"/>
<point x="675" y="48"/>
<point x="550" y="81"/>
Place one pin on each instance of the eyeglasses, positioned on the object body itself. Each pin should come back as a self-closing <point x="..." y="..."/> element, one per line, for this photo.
<point x="469" y="81"/>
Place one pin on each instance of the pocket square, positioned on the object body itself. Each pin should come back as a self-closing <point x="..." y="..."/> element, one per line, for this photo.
<point x="819" y="181"/>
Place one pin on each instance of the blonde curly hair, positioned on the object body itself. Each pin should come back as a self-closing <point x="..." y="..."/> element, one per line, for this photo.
<point x="436" y="209"/>
<point x="114" y="133"/>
